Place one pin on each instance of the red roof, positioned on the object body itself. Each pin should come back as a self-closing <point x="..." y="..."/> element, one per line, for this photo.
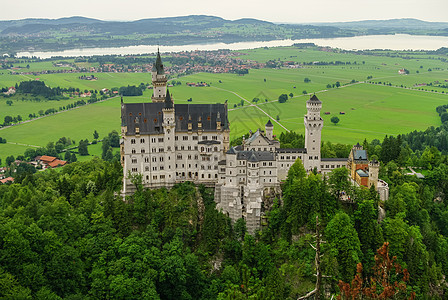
<point x="7" y="179"/>
<point x="57" y="163"/>
<point x="47" y="159"/>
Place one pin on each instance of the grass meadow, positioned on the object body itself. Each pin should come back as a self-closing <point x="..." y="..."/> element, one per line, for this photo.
<point x="371" y="110"/>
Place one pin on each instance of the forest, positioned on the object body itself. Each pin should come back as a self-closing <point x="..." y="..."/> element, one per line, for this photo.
<point x="69" y="235"/>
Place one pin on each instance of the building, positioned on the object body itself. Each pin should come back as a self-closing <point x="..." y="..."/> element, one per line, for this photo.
<point x="169" y="143"/>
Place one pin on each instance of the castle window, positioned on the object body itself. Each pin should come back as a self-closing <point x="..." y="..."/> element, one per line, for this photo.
<point x="147" y="177"/>
<point x="142" y="141"/>
<point x="154" y="177"/>
<point x="189" y="157"/>
<point x="176" y="138"/>
<point x="132" y="141"/>
<point x="160" y="149"/>
<point x="182" y="148"/>
<point x="196" y="157"/>
<point x="196" y="148"/>
<point x="179" y="156"/>
<point x="162" y="176"/>
<point x="185" y="138"/>
<point x="160" y="140"/>
<point x="133" y="151"/>
<point x="202" y="176"/>
<point x="215" y="137"/>
<point x="153" y="140"/>
<point x="215" y="149"/>
<point x="195" y="138"/>
<point x="134" y="169"/>
<point x="154" y="150"/>
<point x="154" y="168"/>
<point x="169" y="148"/>
<point x="161" y="158"/>
<point x="316" y="157"/>
<point x="134" y="160"/>
<point x="147" y="169"/>
<point x="143" y="150"/>
<point x="189" y="147"/>
<point x="161" y="167"/>
<point x="146" y="159"/>
<point x="204" y="138"/>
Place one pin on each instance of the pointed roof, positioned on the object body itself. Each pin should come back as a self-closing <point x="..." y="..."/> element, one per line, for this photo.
<point x="168" y="102"/>
<point x="314" y="99"/>
<point x="231" y="151"/>
<point x="269" y="123"/>
<point x="253" y="158"/>
<point x="158" y="65"/>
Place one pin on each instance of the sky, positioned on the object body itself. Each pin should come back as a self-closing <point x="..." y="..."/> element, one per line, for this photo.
<point x="281" y="11"/>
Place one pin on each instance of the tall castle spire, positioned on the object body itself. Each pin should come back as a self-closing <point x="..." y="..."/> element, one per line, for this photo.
<point x="158" y="80"/>
<point x="313" y="129"/>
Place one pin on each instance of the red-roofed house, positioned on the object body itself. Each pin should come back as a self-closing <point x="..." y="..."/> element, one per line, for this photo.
<point x="50" y="161"/>
<point x="6" y="180"/>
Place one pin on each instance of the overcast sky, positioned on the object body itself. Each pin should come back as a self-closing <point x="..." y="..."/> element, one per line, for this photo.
<point x="288" y="11"/>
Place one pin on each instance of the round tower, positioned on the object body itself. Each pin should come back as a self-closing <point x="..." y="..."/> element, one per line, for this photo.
<point x="269" y="129"/>
<point x="313" y="129"/>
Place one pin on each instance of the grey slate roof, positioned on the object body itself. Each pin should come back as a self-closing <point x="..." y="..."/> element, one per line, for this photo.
<point x="168" y="102"/>
<point x="158" y="65"/>
<point x="315" y="99"/>
<point x="269" y="123"/>
<point x="362" y="173"/>
<point x="255" y="135"/>
<point x="360" y="154"/>
<point x="149" y="117"/>
<point x="291" y="150"/>
<point x="335" y="159"/>
<point x="255" y="156"/>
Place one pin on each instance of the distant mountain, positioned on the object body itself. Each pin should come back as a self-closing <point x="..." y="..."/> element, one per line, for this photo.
<point x="193" y="23"/>
<point x="70" y="20"/>
<point x="81" y="32"/>
<point x="392" y="23"/>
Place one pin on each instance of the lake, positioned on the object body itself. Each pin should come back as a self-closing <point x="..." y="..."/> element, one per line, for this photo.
<point x="393" y="42"/>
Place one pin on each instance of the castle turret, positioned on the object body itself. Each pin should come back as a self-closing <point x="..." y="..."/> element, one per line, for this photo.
<point x="158" y="80"/>
<point x="313" y="129"/>
<point x="374" y="168"/>
<point x="269" y="129"/>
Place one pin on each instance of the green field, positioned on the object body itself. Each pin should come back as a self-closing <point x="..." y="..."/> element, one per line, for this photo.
<point x="371" y="110"/>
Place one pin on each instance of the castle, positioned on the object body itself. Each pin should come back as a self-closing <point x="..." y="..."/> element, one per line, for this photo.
<point x="168" y="143"/>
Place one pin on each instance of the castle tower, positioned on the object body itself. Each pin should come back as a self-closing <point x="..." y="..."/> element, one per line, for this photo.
<point x="123" y="131"/>
<point x="269" y="129"/>
<point x="169" y="125"/>
<point x="313" y="129"/>
<point x="374" y="168"/>
<point x="158" y="80"/>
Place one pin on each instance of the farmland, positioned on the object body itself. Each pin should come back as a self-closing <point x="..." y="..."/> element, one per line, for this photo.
<point x="382" y="105"/>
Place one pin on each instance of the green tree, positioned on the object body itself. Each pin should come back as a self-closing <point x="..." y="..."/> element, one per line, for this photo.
<point x="95" y="135"/>
<point x="334" y="120"/>
<point x="282" y="98"/>
<point x="343" y="245"/>
<point x="82" y="147"/>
